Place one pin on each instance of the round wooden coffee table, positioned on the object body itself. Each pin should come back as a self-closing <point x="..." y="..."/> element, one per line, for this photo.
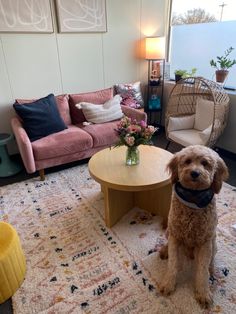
<point x="146" y="185"/>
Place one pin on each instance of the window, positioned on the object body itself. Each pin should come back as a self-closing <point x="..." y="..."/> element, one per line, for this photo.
<point x="200" y="31"/>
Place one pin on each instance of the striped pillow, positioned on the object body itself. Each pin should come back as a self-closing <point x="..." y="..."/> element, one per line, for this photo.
<point x="109" y="111"/>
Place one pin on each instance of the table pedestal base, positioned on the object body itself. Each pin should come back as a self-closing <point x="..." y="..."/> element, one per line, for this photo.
<point x="118" y="203"/>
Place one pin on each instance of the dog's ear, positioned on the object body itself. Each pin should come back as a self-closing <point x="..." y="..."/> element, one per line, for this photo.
<point x="172" y="168"/>
<point x="221" y="174"/>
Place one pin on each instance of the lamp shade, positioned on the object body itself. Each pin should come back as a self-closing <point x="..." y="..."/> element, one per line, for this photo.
<point x="155" y="48"/>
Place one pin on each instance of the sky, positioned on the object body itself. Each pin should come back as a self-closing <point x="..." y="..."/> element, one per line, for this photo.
<point x="210" y="6"/>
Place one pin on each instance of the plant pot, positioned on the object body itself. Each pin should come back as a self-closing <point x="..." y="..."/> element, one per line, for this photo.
<point x="178" y="77"/>
<point x="221" y="75"/>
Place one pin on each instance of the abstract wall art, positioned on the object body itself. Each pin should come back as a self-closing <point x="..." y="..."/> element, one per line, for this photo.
<point x="25" y="16"/>
<point x="81" y="16"/>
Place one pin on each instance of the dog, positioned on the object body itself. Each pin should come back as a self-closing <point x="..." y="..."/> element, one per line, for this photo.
<point x="197" y="173"/>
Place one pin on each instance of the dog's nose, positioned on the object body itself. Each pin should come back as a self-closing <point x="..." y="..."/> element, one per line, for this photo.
<point x="195" y="174"/>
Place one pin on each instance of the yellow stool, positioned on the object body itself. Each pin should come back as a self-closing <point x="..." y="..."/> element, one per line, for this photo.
<point x="12" y="262"/>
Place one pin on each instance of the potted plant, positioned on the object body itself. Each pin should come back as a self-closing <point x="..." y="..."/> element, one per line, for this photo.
<point x="222" y="64"/>
<point x="179" y="74"/>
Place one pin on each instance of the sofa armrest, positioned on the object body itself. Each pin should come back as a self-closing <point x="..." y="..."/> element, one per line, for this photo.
<point x="24" y="145"/>
<point x="134" y="113"/>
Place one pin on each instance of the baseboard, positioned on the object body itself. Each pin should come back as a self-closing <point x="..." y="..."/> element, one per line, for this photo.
<point x="226" y="153"/>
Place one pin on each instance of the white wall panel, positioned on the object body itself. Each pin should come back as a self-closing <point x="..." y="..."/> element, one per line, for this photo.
<point x="32" y="63"/>
<point x="119" y="43"/>
<point x="153" y="17"/>
<point x="81" y="62"/>
<point x="5" y="95"/>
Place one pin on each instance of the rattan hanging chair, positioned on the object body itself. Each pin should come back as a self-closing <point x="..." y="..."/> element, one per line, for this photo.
<point x="196" y="112"/>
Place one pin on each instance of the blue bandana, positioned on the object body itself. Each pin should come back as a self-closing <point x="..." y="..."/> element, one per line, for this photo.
<point x="193" y="198"/>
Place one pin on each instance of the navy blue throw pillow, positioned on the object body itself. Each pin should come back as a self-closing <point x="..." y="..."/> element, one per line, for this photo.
<point x="40" y="118"/>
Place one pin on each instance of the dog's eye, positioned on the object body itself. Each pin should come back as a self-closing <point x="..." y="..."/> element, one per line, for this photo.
<point x="204" y="163"/>
<point x="188" y="161"/>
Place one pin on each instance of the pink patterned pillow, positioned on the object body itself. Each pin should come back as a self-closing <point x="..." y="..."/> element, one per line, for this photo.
<point x="135" y="99"/>
<point x="129" y="100"/>
<point x="97" y="97"/>
<point x="62" y="106"/>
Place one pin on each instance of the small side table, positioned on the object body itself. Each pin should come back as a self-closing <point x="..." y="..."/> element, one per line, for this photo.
<point x="7" y="166"/>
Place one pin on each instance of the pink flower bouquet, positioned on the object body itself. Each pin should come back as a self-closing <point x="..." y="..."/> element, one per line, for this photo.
<point x="132" y="133"/>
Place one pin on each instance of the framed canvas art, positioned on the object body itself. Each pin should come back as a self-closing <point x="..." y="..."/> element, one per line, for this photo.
<point x="21" y="16"/>
<point x="81" y="16"/>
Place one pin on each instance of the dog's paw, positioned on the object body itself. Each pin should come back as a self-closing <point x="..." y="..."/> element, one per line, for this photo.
<point x="204" y="299"/>
<point x="166" y="288"/>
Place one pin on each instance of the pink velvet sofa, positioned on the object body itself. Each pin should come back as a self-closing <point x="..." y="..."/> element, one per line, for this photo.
<point x="77" y="142"/>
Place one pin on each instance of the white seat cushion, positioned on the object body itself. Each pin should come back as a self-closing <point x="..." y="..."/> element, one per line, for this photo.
<point x="109" y="111"/>
<point x="204" y="114"/>
<point x="187" y="137"/>
<point x="181" y="123"/>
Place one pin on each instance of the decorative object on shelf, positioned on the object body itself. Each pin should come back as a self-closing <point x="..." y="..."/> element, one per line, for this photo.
<point x="179" y="74"/>
<point x="132" y="134"/>
<point x="81" y="16"/>
<point x="30" y="16"/>
<point x="154" y="102"/>
<point x="222" y="64"/>
<point x="155" y="54"/>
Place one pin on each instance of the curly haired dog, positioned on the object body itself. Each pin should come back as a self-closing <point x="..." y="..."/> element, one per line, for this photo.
<point x="197" y="173"/>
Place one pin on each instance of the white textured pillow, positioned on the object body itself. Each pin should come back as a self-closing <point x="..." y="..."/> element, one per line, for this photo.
<point x="204" y="114"/>
<point x="181" y="123"/>
<point x="109" y="111"/>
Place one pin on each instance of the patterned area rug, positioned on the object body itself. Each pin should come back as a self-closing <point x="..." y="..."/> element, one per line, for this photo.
<point x="77" y="265"/>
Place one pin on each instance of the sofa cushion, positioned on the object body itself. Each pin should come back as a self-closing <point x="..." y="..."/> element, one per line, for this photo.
<point x="40" y="118"/>
<point x="66" y="142"/>
<point x="204" y="114"/>
<point x="97" y="97"/>
<point x="102" y="134"/>
<point x="109" y="111"/>
<point x="62" y="106"/>
<point x="131" y="94"/>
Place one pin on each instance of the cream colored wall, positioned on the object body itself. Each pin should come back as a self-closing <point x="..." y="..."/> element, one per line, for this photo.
<point x="33" y="65"/>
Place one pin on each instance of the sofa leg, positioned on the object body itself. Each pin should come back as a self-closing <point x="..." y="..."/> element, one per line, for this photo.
<point x="42" y="174"/>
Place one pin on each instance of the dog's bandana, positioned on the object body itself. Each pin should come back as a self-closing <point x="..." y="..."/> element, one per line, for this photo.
<point x="193" y="198"/>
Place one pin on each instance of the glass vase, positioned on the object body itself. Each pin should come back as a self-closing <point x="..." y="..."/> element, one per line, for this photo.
<point x="132" y="156"/>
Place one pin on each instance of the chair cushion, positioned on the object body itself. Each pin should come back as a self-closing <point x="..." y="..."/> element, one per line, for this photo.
<point x="98" y="97"/>
<point x="205" y="134"/>
<point x="66" y="142"/>
<point x="204" y="114"/>
<point x="62" y="106"/>
<point x="40" y="118"/>
<point x="109" y="111"/>
<point x="102" y="134"/>
<point x="181" y="123"/>
<point x="187" y="137"/>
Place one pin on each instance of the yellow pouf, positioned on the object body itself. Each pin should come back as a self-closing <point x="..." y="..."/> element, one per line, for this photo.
<point x="12" y="261"/>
